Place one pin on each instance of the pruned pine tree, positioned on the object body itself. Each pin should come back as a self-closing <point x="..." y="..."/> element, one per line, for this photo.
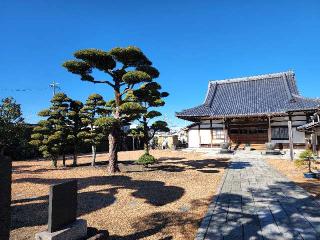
<point x="135" y="133"/>
<point x="127" y="68"/>
<point x="51" y="134"/>
<point x="94" y="108"/>
<point x="129" y="111"/>
<point x="76" y="126"/>
<point x="150" y="97"/>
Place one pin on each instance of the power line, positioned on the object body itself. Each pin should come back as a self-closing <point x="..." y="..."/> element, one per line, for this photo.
<point x="16" y="89"/>
<point x="22" y="89"/>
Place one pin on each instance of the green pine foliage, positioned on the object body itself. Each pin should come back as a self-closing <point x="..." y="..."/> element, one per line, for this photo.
<point x="146" y="159"/>
<point x="94" y="110"/>
<point x="51" y="134"/>
<point x="149" y="96"/>
<point x="76" y="126"/>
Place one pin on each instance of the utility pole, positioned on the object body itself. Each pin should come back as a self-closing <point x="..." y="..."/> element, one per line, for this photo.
<point x="54" y="86"/>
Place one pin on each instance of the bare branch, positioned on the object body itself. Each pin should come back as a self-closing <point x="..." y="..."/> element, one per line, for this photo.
<point x="127" y="89"/>
<point x="124" y="67"/>
<point x="100" y="81"/>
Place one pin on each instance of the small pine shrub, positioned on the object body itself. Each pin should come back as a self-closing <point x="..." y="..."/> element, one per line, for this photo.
<point x="146" y="159"/>
<point x="305" y="159"/>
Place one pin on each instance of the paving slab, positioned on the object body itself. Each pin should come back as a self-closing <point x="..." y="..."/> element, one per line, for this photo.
<point x="257" y="202"/>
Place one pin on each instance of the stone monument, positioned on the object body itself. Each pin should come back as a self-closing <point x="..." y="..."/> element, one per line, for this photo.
<point x="62" y="221"/>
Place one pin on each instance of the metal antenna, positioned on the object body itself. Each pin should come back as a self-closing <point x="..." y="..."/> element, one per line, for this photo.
<point x="54" y="86"/>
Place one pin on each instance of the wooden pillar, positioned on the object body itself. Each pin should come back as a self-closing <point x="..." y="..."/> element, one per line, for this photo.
<point x="269" y="129"/>
<point x="199" y="134"/>
<point x="314" y="142"/>
<point x="225" y="130"/>
<point x="133" y="148"/>
<point x="211" y="134"/>
<point x="290" y="136"/>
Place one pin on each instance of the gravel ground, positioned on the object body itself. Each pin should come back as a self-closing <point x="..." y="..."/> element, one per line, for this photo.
<point x="295" y="174"/>
<point x="165" y="201"/>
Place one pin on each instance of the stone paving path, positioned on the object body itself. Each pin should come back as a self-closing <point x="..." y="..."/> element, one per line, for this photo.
<point x="257" y="202"/>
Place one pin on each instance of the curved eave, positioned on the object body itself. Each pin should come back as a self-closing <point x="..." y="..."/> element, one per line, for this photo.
<point x="197" y="117"/>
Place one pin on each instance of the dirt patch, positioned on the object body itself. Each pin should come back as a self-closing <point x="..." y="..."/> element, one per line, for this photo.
<point x="164" y="201"/>
<point x="295" y="174"/>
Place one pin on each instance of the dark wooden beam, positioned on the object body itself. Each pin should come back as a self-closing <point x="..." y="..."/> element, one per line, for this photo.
<point x="199" y="134"/>
<point x="290" y="136"/>
<point x="211" y="133"/>
<point x="269" y="129"/>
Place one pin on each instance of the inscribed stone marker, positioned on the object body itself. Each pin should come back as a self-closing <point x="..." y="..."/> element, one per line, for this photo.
<point x="62" y="205"/>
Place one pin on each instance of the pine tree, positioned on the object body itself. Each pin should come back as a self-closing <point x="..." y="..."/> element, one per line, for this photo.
<point x="135" y="133"/>
<point x="76" y="126"/>
<point x="150" y="97"/>
<point x="51" y="134"/>
<point x="94" y="108"/>
<point x="128" y="68"/>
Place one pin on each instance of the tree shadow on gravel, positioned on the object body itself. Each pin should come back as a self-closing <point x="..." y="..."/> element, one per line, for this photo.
<point x="34" y="212"/>
<point x="159" y="222"/>
<point x="180" y="165"/>
<point x="31" y="212"/>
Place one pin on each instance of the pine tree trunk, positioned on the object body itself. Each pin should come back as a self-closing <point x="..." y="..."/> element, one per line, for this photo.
<point x="309" y="165"/>
<point x="113" y="151"/>
<point x="5" y="199"/>
<point x="64" y="159"/>
<point x="133" y="147"/>
<point x="146" y="148"/>
<point x="114" y="134"/>
<point x="145" y="136"/>
<point x="94" y="154"/>
<point x="54" y="162"/>
<point x="75" y="156"/>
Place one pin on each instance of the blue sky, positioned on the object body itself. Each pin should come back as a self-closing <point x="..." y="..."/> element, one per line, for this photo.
<point x="190" y="42"/>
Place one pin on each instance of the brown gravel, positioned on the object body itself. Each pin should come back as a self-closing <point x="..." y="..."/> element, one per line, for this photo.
<point x="295" y="174"/>
<point x="164" y="201"/>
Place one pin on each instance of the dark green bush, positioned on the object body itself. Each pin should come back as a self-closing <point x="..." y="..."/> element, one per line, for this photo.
<point x="146" y="159"/>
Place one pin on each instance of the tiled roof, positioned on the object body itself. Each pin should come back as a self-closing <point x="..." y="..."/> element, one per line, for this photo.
<point x="275" y="93"/>
<point x="308" y="126"/>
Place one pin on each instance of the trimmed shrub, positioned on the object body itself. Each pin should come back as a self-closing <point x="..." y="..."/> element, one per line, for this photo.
<point x="146" y="159"/>
<point x="306" y="158"/>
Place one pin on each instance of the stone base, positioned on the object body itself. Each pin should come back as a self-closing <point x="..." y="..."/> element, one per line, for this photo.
<point x="74" y="231"/>
<point x="222" y="151"/>
<point x="273" y="152"/>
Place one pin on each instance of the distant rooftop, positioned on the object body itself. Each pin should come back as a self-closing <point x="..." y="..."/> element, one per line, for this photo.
<point x="267" y="94"/>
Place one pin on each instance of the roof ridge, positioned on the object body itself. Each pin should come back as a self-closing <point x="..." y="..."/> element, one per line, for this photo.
<point x="251" y="78"/>
<point x="289" y="93"/>
<point x="306" y="98"/>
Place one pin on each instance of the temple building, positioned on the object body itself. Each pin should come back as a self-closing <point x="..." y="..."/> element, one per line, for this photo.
<point x="251" y="111"/>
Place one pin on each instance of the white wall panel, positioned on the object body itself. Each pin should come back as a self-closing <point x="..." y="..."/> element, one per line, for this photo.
<point x="193" y="138"/>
